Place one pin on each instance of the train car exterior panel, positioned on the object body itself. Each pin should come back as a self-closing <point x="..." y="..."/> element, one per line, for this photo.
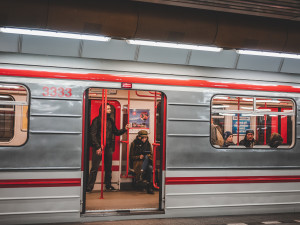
<point x="48" y="107"/>
<point x="44" y="150"/>
<point x="54" y="89"/>
<point x="242" y="198"/>
<point x="50" y="197"/>
<point x="188" y="112"/>
<point x="59" y="124"/>
<point x="197" y="128"/>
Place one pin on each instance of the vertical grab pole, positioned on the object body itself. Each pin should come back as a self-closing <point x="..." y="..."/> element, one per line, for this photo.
<point x="164" y="133"/>
<point x="103" y="134"/>
<point x="127" y="142"/>
<point x="265" y="126"/>
<point x="155" y="109"/>
<point x="154" y="144"/>
<point x="102" y="139"/>
<point x="238" y="123"/>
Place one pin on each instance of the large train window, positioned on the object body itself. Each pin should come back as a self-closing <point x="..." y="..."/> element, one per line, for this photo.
<point x="252" y="122"/>
<point x="13" y="115"/>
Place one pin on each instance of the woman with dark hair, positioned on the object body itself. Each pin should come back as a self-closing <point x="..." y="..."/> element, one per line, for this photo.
<point x="95" y="134"/>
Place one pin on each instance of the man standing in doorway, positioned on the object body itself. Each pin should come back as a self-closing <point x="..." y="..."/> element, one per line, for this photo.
<point x="97" y="150"/>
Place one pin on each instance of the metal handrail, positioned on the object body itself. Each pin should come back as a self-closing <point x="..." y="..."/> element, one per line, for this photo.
<point x="103" y="134"/>
<point x="154" y="144"/>
<point x="127" y="141"/>
<point x="154" y="164"/>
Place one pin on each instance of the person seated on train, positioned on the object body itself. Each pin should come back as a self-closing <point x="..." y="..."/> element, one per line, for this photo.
<point x="275" y="140"/>
<point x="95" y="134"/>
<point x="141" y="157"/>
<point x="248" y="140"/>
<point x="228" y="139"/>
<point x="216" y="137"/>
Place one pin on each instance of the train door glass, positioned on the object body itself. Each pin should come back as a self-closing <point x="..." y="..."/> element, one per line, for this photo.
<point x="135" y="189"/>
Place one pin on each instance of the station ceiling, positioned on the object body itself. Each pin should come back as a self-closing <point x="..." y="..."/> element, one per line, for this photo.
<point x="280" y="9"/>
<point x="271" y="25"/>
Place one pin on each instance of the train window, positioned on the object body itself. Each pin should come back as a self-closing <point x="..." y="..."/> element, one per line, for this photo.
<point x="252" y="122"/>
<point x="13" y="115"/>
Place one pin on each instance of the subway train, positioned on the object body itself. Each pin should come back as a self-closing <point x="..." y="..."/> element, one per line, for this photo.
<point x="188" y="112"/>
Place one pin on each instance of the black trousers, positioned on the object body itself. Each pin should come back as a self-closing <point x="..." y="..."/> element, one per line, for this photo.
<point x="96" y="159"/>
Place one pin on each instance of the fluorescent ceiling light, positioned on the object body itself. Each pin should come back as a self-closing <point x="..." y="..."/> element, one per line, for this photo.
<point x="54" y="34"/>
<point x="173" y="45"/>
<point x="271" y="54"/>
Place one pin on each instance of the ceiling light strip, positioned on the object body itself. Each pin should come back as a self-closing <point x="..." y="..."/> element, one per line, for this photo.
<point x="54" y="34"/>
<point x="173" y="45"/>
<point x="270" y="54"/>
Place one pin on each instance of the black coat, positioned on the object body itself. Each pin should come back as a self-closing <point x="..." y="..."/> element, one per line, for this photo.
<point x="111" y="129"/>
<point x="138" y="148"/>
<point x="247" y="143"/>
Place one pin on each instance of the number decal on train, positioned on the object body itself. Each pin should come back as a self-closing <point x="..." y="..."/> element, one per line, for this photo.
<point x="57" y="92"/>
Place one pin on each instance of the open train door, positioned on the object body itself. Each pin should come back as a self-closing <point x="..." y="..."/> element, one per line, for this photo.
<point x="130" y="191"/>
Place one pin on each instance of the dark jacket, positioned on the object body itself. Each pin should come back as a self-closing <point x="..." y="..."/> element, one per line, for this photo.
<point x="138" y="148"/>
<point x="226" y="145"/>
<point x="111" y="129"/>
<point x="247" y="143"/>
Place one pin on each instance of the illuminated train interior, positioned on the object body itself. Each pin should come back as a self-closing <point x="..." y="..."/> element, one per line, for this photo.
<point x="144" y="114"/>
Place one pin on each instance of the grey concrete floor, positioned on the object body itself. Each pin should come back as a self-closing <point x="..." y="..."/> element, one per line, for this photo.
<point x="267" y="219"/>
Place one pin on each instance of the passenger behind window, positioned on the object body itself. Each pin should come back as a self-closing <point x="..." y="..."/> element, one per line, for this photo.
<point x="228" y="139"/>
<point x="249" y="140"/>
<point x="141" y="156"/>
<point x="216" y="134"/>
<point x="275" y="140"/>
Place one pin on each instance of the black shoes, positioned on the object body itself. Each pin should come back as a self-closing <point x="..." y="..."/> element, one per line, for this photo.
<point x="110" y="188"/>
<point x="88" y="190"/>
<point x="150" y="189"/>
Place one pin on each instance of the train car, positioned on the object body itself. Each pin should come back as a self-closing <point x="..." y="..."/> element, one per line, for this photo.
<point x="189" y="112"/>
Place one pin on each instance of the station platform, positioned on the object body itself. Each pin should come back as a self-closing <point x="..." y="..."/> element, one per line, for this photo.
<point x="267" y="219"/>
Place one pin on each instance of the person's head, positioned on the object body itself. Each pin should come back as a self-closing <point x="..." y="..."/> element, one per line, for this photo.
<point x="108" y="109"/>
<point x="143" y="135"/>
<point x="228" y="137"/>
<point x="275" y="140"/>
<point x="249" y="135"/>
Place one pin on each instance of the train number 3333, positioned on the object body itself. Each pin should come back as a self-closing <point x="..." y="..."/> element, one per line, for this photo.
<point x="57" y="92"/>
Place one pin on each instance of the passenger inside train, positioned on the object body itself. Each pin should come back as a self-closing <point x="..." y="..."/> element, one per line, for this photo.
<point x="275" y="140"/>
<point x="141" y="157"/>
<point x="248" y="140"/>
<point x="252" y="122"/>
<point x="97" y="147"/>
<point x="228" y="139"/>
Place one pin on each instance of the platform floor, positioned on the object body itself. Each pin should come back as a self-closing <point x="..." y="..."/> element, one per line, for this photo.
<point x="266" y="219"/>
<point x="121" y="200"/>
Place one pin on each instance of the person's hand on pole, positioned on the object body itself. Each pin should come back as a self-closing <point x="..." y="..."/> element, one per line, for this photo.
<point x="99" y="151"/>
<point x="127" y="126"/>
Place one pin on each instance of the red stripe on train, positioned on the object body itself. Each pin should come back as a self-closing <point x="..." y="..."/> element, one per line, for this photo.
<point x="149" y="80"/>
<point x="231" y="180"/>
<point x="25" y="183"/>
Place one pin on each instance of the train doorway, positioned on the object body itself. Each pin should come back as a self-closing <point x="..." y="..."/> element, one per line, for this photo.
<point x="130" y="180"/>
